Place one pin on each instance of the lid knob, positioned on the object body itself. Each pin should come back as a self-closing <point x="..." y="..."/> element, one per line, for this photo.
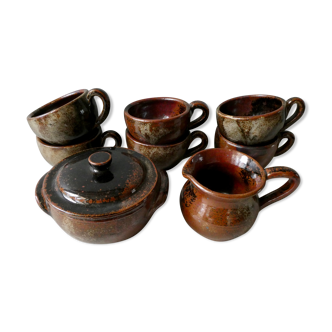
<point x="100" y="161"/>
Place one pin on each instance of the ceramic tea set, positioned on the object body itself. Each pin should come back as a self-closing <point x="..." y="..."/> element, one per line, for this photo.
<point x="103" y="194"/>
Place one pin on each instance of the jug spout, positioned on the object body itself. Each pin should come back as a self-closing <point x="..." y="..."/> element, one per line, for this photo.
<point x="193" y="165"/>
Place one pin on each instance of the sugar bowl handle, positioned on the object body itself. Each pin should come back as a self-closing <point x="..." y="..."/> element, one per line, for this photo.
<point x="39" y="195"/>
<point x="204" y="116"/>
<point x="285" y="190"/>
<point x="106" y="104"/>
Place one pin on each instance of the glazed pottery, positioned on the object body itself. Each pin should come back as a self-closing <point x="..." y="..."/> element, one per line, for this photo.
<point x="159" y="121"/>
<point x="166" y="157"/>
<point x="55" y="153"/>
<point x="262" y="153"/>
<point x="102" y="195"/>
<point x="220" y="199"/>
<point x="256" y="119"/>
<point x="68" y="118"/>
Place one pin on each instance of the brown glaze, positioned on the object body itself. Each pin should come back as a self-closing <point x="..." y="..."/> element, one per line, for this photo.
<point x="159" y="121"/>
<point x="256" y="119"/>
<point x="220" y="199"/>
<point x="102" y="195"/>
<point x="262" y="153"/>
<point x="55" y="153"/>
<point x="65" y="120"/>
<point x="166" y="157"/>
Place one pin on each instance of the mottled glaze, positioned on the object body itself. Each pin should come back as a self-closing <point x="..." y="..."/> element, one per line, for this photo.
<point x="102" y="195"/>
<point x="67" y="119"/>
<point x="256" y="119"/>
<point x="55" y="153"/>
<point x="262" y="153"/>
<point x="220" y="199"/>
<point x="163" y="120"/>
<point x="166" y="157"/>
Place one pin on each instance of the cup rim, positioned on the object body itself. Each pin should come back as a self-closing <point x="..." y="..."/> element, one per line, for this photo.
<point x="254" y="117"/>
<point x="32" y="116"/>
<point x="130" y="136"/>
<point x="216" y="194"/>
<point x="44" y="143"/>
<point x="256" y="147"/>
<point x="127" y="114"/>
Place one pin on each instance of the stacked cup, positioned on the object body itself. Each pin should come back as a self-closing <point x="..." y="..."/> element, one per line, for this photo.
<point x="70" y="124"/>
<point x="159" y="128"/>
<point x="256" y="124"/>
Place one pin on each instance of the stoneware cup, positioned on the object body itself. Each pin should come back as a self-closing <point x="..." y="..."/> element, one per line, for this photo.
<point x="68" y="118"/>
<point x="262" y="153"/>
<point x="161" y="121"/>
<point x="256" y="119"/>
<point x="220" y="199"/>
<point x="55" y="153"/>
<point x="167" y="156"/>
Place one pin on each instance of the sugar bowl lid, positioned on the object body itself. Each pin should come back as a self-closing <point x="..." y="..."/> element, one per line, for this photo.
<point x="100" y="181"/>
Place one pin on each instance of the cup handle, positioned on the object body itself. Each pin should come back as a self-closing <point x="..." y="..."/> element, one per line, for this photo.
<point x="113" y="134"/>
<point x="298" y="112"/>
<point x="285" y="190"/>
<point x="200" y="147"/>
<point x="204" y="116"/>
<point x="290" y="141"/>
<point x="106" y="104"/>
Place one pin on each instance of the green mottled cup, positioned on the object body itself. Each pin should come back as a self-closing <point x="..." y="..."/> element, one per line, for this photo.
<point x="68" y="118"/>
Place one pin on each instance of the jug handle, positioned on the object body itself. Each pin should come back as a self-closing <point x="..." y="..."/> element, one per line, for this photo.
<point x="298" y="112"/>
<point x="290" y="141"/>
<point x="204" y="116"/>
<point x="106" y="104"/>
<point x="285" y="190"/>
<point x="39" y="195"/>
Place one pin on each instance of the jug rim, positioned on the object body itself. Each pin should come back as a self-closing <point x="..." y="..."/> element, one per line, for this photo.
<point x="206" y="190"/>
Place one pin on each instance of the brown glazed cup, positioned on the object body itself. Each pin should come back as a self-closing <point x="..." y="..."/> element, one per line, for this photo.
<point x="161" y="121"/>
<point x="256" y="119"/>
<point x="262" y="153"/>
<point x="220" y="199"/>
<point x="55" y="153"/>
<point x="68" y="118"/>
<point x="166" y="157"/>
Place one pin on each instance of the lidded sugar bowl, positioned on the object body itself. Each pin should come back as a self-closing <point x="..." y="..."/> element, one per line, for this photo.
<point x="102" y="195"/>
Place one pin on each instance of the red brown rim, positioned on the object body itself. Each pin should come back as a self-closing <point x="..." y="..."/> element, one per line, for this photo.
<point x="31" y="115"/>
<point x="235" y="117"/>
<point x="256" y="147"/>
<point x="42" y="142"/>
<point x="126" y="111"/>
<point x="215" y="193"/>
<point x="153" y="145"/>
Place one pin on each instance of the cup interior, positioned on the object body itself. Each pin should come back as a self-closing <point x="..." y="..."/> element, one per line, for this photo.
<point x="157" y="109"/>
<point x="250" y="105"/>
<point x="227" y="172"/>
<point x="56" y="104"/>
